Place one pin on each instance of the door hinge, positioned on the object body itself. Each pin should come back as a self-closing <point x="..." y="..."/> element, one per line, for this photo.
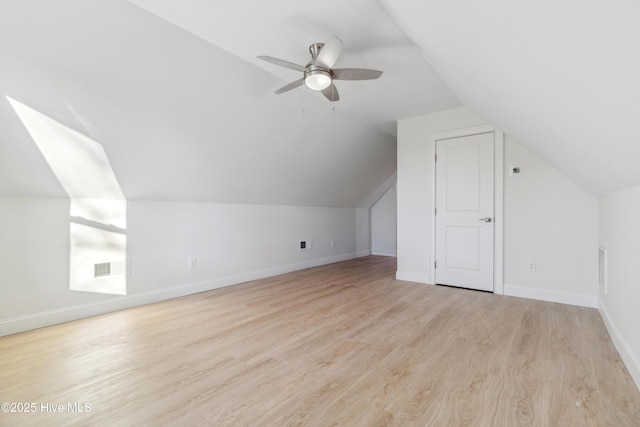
<point x="435" y="264"/>
<point x="435" y="211"/>
<point x="435" y="157"/>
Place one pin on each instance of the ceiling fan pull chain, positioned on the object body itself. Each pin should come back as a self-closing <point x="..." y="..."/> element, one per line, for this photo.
<point x="333" y="97"/>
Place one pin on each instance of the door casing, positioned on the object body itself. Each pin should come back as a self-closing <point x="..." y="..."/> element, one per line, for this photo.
<point x="498" y="249"/>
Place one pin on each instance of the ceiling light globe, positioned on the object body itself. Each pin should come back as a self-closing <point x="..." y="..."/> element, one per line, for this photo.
<point x="317" y="79"/>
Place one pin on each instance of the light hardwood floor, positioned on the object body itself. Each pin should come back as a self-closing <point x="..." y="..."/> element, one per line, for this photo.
<point x="343" y="344"/>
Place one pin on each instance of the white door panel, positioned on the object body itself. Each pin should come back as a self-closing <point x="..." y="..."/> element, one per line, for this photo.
<point x="462" y="248"/>
<point x="461" y="168"/>
<point x="464" y="204"/>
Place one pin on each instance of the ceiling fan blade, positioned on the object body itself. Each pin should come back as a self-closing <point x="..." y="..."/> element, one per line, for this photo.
<point x="290" y="86"/>
<point x="355" y="74"/>
<point x="331" y="93"/>
<point x="329" y="53"/>
<point x="283" y="63"/>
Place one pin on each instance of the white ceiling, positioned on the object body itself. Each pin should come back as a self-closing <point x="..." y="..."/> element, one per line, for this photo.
<point x="181" y="119"/>
<point x="561" y="77"/>
<point x="185" y="111"/>
<point x="285" y="28"/>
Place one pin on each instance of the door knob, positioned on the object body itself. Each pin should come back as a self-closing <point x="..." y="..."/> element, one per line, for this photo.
<point x="488" y="219"/>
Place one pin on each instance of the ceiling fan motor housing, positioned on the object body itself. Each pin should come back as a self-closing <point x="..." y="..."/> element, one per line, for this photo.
<point x="314" y="50"/>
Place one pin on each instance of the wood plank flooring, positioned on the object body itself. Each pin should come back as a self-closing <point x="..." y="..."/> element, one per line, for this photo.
<point x="343" y="344"/>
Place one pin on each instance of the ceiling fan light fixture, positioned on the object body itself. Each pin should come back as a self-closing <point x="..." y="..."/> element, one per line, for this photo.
<point x="319" y="73"/>
<point x="317" y="79"/>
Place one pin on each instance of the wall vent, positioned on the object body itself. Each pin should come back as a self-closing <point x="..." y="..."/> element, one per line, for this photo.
<point x="102" y="269"/>
<point x="602" y="269"/>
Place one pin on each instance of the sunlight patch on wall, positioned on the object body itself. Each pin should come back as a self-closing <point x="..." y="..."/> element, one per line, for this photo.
<point x="98" y="214"/>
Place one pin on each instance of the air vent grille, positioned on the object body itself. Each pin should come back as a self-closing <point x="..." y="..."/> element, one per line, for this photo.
<point x="102" y="269"/>
<point x="602" y="269"/>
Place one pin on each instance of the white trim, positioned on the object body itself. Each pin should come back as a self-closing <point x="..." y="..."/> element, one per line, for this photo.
<point x="51" y="317"/>
<point x="362" y="253"/>
<point x="498" y="229"/>
<point x="431" y="153"/>
<point x="383" y="253"/>
<point x="408" y="276"/>
<point x="630" y="360"/>
<point x="551" y="296"/>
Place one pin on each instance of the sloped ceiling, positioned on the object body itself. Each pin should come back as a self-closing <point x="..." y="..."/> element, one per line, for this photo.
<point x="185" y="111"/>
<point x="561" y="77"/>
<point x="182" y="119"/>
<point x="285" y="29"/>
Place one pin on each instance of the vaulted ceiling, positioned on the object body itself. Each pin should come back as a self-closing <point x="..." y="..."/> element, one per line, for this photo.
<point x="185" y="112"/>
<point x="561" y="77"/>
<point x="179" y="118"/>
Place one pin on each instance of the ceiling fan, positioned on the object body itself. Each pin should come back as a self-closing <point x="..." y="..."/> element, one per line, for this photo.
<point x="318" y="74"/>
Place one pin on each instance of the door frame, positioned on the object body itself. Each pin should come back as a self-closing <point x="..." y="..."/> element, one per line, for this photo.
<point x="498" y="183"/>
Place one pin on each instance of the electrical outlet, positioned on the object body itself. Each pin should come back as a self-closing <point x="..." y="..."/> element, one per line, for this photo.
<point x="531" y="265"/>
<point x="191" y="264"/>
<point x="333" y="244"/>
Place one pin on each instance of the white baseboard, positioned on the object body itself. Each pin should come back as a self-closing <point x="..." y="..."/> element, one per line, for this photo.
<point x="413" y="277"/>
<point x="366" y="252"/>
<point x="551" y="296"/>
<point x="66" y="314"/>
<point x="630" y="360"/>
<point x="383" y="253"/>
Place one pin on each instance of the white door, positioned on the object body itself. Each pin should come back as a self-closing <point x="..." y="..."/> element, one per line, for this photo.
<point x="464" y="211"/>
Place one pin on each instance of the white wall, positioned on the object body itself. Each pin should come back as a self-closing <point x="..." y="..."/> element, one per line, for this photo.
<point x="547" y="218"/>
<point x="232" y="244"/>
<point x="550" y="220"/>
<point x="363" y="231"/>
<point x="620" y="306"/>
<point x="383" y="224"/>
